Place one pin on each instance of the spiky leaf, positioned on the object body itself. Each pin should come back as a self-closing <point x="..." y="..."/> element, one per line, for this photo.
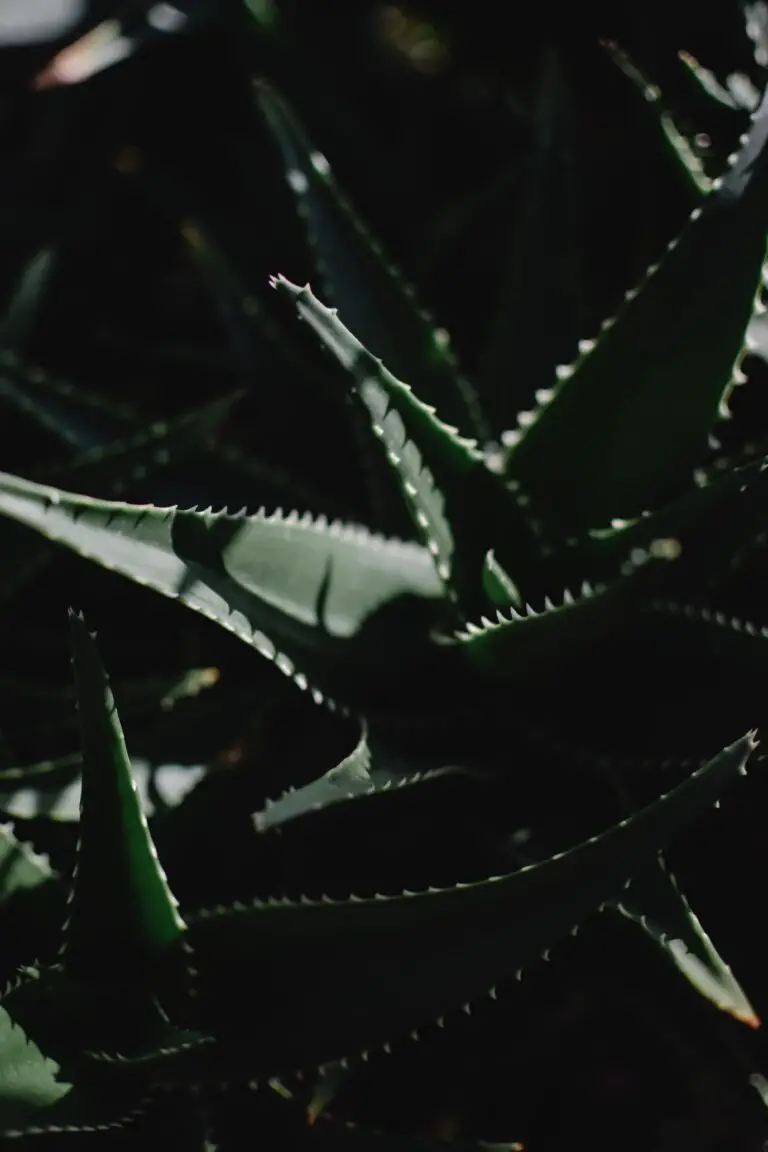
<point x="289" y="586"/>
<point x="28" y="1081"/>
<point x="456" y="502"/>
<point x="35" y="1097"/>
<point x="121" y="907"/>
<point x="371" y="294"/>
<point x="423" y="953"/>
<point x="349" y="778"/>
<point x="519" y="643"/>
<point x="20" y="866"/>
<point x="654" y="901"/>
<point x="728" y="507"/>
<point x="631" y="417"/>
<point x="112" y="468"/>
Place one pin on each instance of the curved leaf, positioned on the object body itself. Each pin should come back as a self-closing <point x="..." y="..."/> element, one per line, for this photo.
<point x="377" y="303"/>
<point x="289" y="586"/>
<point x="113" y="468"/>
<point x="84" y="420"/>
<point x="423" y="953"/>
<point x="456" y="501"/>
<point x="599" y="448"/>
<point x="21" y="311"/>
<point x="20" y="866"/>
<point x="654" y="901"/>
<point x="28" y="1081"/>
<point x="521" y="642"/>
<point x="347" y="779"/>
<point x="34" y="1100"/>
<point x="728" y="507"/>
<point x="539" y="314"/>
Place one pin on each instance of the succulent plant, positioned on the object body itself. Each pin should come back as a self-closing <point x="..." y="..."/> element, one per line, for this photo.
<point x="560" y="582"/>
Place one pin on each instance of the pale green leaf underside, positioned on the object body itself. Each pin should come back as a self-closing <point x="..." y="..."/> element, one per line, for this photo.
<point x="78" y="418"/>
<point x="33" y="1101"/>
<point x="282" y="584"/>
<point x="28" y="1083"/>
<point x="20" y="866"/>
<point x="654" y="901"/>
<point x="349" y="778"/>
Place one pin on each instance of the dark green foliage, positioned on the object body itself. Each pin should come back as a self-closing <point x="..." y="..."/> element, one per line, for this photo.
<point x="521" y="661"/>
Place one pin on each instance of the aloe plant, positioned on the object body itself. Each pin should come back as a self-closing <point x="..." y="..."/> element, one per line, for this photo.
<point x="563" y="561"/>
<point x="91" y="1038"/>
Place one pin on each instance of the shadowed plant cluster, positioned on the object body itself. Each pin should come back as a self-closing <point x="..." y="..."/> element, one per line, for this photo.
<point x="454" y="657"/>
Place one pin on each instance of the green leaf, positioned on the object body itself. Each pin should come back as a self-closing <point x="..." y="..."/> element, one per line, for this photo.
<point x="237" y="308"/>
<point x="456" y="501"/>
<point x="499" y="586"/>
<point x="20" y="866"/>
<point x="728" y="507"/>
<point x="112" y="468"/>
<point x="288" y="586"/>
<point x="144" y="698"/>
<point x="36" y="1099"/>
<point x="738" y="94"/>
<point x="24" y="305"/>
<point x="347" y="779"/>
<point x="630" y="419"/>
<point x="521" y="642"/>
<point x="654" y="901"/>
<point x="352" y="778"/>
<point x="696" y="184"/>
<point x="76" y="417"/>
<point x="382" y="966"/>
<point x="372" y="295"/>
<point x="330" y="1080"/>
<point x="121" y="907"/>
<point x="65" y="767"/>
<point x="540" y="309"/>
<point x="28" y="1081"/>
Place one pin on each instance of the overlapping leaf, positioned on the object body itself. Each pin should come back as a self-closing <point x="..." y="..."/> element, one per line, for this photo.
<point x="489" y="929"/>
<point x="289" y="586"/>
<point x="626" y="424"/>
<point x="372" y="296"/>
<point x="456" y="501"/>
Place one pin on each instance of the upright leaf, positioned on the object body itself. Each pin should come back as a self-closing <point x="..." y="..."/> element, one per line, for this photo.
<point x="629" y="420"/>
<point x="378" y="305"/>
<point x="456" y="501"/>
<point x="23" y="307"/>
<point x="122" y="911"/>
<point x="539" y="312"/>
